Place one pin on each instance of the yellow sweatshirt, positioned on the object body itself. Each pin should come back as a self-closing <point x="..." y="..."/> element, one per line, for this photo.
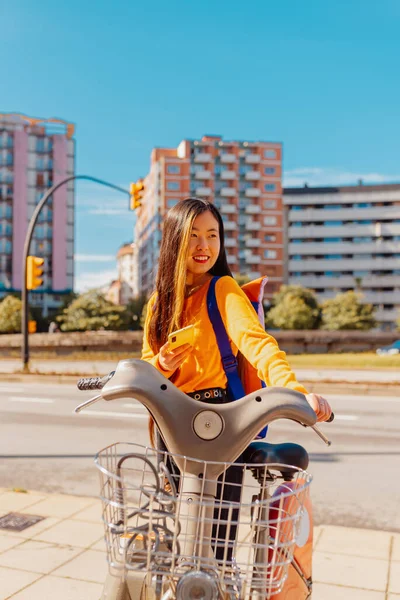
<point x="203" y="368"/>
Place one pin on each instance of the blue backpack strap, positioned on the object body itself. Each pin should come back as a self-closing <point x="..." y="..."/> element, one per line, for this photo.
<point x="229" y="361"/>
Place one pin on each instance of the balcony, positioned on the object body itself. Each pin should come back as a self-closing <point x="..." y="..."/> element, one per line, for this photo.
<point x="252" y="175"/>
<point x="231" y="258"/>
<point x="230" y="242"/>
<point x="252" y="159"/>
<point x="228" y="208"/>
<point x="253" y="259"/>
<point x="226" y="157"/>
<point x="202" y="157"/>
<point x="230" y="225"/>
<point x="228" y="175"/>
<point x="202" y="175"/>
<point x="253" y="243"/>
<point x="252" y="192"/>
<point x="253" y="225"/>
<point x="203" y="191"/>
<point x="228" y="191"/>
<point x="252" y="209"/>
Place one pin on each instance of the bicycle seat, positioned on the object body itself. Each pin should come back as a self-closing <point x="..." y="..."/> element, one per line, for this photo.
<point x="285" y="453"/>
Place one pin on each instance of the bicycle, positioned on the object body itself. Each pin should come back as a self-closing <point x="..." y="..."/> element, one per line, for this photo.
<point x="169" y="533"/>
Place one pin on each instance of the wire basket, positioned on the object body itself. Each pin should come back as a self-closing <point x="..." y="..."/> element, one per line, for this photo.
<point x="243" y="540"/>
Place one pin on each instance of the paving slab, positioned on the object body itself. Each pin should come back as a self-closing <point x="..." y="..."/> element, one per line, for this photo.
<point x="57" y="588"/>
<point x="350" y="571"/>
<point x="88" y="566"/>
<point x="355" y="542"/>
<point x="394" y="579"/>
<point x="15" y="501"/>
<point x="12" y="581"/>
<point x="323" y="591"/>
<point x="73" y="533"/>
<point x="62" y="507"/>
<point x="37" y="557"/>
<point x="396" y="547"/>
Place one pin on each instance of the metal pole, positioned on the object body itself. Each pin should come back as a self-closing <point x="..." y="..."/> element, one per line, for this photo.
<point x="28" y="239"/>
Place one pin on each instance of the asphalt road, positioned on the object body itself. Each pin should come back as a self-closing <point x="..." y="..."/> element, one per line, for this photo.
<point x="44" y="446"/>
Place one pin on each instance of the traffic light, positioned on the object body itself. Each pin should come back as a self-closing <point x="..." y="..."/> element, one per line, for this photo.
<point x="34" y="272"/>
<point x="31" y="326"/>
<point x="137" y="193"/>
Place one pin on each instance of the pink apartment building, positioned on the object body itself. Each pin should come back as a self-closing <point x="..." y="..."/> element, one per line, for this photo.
<point x="35" y="154"/>
<point x="242" y="178"/>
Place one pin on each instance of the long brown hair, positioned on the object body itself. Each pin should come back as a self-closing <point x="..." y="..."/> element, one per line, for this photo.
<point x="171" y="275"/>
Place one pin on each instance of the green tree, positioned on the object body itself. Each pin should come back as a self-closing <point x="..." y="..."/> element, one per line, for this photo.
<point x="294" y="307"/>
<point x="10" y="315"/>
<point x="91" y="312"/>
<point x="241" y="279"/>
<point x="346" y="311"/>
<point x="134" y="310"/>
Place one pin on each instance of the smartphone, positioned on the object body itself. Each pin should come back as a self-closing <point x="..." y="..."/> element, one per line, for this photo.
<point x="182" y="336"/>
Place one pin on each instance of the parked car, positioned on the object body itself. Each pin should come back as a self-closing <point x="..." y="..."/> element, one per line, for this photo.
<point x="389" y="350"/>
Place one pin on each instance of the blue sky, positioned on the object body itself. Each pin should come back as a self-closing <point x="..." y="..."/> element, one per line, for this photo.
<point x="321" y="77"/>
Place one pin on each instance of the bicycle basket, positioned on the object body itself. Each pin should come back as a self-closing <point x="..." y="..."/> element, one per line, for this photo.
<point x="243" y="540"/>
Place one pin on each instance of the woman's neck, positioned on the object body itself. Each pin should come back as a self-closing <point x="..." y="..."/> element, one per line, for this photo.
<point x="196" y="280"/>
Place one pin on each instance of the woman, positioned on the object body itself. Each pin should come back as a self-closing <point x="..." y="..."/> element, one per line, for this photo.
<point x="192" y="252"/>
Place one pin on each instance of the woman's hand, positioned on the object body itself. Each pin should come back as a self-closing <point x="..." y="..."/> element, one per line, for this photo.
<point x="320" y="406"/>
<point x="170" y="360"/>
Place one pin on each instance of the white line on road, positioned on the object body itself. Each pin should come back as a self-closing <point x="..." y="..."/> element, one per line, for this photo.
<point x="119" y="415"/>
<point x="29" y="399"/>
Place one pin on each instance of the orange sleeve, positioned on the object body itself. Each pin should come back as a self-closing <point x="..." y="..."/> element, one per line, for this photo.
<point x="248" y="335"/>
<point x="147" y="353"/>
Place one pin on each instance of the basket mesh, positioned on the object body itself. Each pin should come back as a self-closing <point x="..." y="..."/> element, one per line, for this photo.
<point x="246" y="542"/>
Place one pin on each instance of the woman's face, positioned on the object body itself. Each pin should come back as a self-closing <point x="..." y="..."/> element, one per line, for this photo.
<point x="204" y="245"/>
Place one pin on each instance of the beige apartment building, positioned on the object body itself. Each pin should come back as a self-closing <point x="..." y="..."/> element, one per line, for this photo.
<point x="242" y="178"/>
<point x="343" y="238"/>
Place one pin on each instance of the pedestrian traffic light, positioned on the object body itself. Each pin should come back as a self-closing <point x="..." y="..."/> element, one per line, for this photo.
<point x="137" y="193"/>
<point x="34" y="272"/>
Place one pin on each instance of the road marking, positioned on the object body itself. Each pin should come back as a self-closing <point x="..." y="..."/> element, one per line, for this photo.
<point x="346" y="418"/>
<point x="9" y="388"/>
<point x="119" y="415"/>
<point x="29" y="399"/>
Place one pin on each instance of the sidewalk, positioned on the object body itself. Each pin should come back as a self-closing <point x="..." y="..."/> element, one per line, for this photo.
<point x="63" y="557"/>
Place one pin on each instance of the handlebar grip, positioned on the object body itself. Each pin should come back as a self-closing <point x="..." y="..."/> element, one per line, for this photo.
<point x="93" y="383"/>
<point x="330" y="418"/>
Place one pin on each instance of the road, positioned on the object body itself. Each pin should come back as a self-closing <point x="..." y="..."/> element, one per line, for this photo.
<point x="101" y="367"/>
<point x="44" y="446"/>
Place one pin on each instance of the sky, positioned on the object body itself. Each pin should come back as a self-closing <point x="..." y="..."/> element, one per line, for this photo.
<point x="320" y="77"/>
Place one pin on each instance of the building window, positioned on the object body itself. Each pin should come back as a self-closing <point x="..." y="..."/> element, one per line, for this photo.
<point x="269" y="203"/>
<point x="270" y="187"/>
<point x="333" y="223"/>
<point x="269" y="170"/>
<point x="334" y="239"/>
<point x="270" y="153"/>
<point x="270" y="238"/>
<point x="39" y="144"/>
<point x="270" y="254"/>
<point x="172" y="201"/>
<point x="173" y="186"/>
<point x="270" y="220"/>
<point x="173" y="169"/>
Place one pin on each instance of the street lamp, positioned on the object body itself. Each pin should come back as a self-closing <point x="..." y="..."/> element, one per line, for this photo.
<point x="28" y="239"/>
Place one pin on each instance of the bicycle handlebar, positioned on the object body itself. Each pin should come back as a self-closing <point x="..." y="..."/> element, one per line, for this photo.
<point x="94" y="383"/>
